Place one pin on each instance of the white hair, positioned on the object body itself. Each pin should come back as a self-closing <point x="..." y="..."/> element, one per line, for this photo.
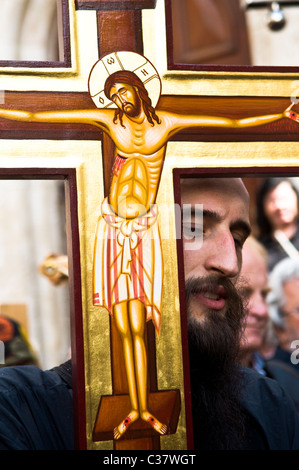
<point x="284" y="271"/>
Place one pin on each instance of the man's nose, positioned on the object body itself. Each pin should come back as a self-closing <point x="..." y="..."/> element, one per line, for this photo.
<point x="225" y="260"/>
<point x="281" y="203"/>
<point x="257" y="305"/>
<point x="121" y="98"/>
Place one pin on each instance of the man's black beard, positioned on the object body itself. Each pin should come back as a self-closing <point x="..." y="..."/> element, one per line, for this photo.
<point x="215" y="375"/>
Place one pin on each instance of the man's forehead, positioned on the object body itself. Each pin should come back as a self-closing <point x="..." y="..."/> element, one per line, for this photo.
<point x="118" y="85"/>
<point x="234" y="187"/>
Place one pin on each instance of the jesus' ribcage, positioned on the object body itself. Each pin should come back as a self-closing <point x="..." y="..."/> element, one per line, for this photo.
<point x="135" y="186"/>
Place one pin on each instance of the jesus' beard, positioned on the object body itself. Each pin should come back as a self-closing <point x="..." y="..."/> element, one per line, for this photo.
<point x="215" y="376"/>
<point x="132" y="110"/>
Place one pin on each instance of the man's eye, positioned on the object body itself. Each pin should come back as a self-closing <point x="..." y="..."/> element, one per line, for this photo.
<point x="192" y="231"/>
<point x="265" y="293"/>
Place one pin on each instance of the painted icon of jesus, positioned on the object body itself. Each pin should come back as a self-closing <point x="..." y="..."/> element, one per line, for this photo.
<point x="128" y="265"/>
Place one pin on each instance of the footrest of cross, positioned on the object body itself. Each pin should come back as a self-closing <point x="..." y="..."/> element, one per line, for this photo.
<point x="165" y="405"/>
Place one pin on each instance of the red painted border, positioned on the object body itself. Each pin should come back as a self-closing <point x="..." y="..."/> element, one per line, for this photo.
<point x="76" y="314"/>
<point x="52" y="64"/>
<point x="115" y="4"/>
<point x="251" y="69"/>
<point x="207" y="173"/>
<point x="183" y="314"/>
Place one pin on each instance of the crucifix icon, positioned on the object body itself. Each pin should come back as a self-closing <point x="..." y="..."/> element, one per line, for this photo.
<point x="129" y="238"/>
<point x="128" y="261"/>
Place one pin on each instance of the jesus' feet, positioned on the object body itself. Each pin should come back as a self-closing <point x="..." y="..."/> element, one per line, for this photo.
<point x="132" y="417"/>
<point x="157" y="425"/>
<point x="123" y="426"/>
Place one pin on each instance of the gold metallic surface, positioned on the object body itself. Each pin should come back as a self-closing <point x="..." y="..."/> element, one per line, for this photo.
<point x="169" y="343"/>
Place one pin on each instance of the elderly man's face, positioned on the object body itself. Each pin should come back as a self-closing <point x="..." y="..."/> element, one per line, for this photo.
<point x="254" y="289"/>
<point x="290" y="310"/>
<point x="225" y="206"/>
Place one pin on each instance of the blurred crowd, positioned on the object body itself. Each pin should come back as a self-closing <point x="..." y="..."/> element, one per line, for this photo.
<point x="269" y="284"/>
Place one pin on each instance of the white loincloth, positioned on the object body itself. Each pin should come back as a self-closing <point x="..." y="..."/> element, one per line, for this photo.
<point x="128" y="262"/>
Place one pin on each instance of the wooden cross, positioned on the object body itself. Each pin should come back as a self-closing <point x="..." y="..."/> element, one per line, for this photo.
<point x="125" y="18"/>
<point x="127" y="21"/>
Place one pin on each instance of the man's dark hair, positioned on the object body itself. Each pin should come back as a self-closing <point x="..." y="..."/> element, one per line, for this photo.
<point x="130" y="78"/>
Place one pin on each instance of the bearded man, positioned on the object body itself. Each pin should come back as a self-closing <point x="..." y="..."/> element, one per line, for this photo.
<point x="233" y="407"/>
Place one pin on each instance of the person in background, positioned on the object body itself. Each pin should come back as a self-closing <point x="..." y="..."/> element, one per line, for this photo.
<point x="36" y="408"/>
<point x="283" y="301"/>
<point x="16" y="346"/>
<point x="253" y="285"/>
<point x="277" y="219"/>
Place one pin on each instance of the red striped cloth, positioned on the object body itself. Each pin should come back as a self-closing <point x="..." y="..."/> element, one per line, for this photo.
<point x="144" y="274"/>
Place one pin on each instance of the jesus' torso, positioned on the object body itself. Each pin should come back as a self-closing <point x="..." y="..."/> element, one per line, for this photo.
<point x="135" y="181"/>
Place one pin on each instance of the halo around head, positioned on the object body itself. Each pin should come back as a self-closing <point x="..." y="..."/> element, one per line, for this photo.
<point x="122" y="60"/>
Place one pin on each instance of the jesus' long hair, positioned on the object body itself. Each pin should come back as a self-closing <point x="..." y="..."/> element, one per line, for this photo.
<point x="130" y="78"/>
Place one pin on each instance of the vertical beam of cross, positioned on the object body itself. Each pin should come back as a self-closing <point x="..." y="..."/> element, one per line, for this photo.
<point x="127" y="24"/>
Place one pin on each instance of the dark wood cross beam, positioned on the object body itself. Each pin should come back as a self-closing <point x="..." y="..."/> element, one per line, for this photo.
<point x="125" y="18"/>
<point x="102" y="5"/>
<point x="234" y="107"/>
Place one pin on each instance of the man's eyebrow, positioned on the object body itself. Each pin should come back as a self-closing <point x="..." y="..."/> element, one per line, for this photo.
<point x="207" y="213"/>
<point x="115" y="94"/>
<point x="197" y="209"/>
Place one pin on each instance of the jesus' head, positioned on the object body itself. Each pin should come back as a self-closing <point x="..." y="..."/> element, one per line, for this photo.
<point x="128" y="92"/>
